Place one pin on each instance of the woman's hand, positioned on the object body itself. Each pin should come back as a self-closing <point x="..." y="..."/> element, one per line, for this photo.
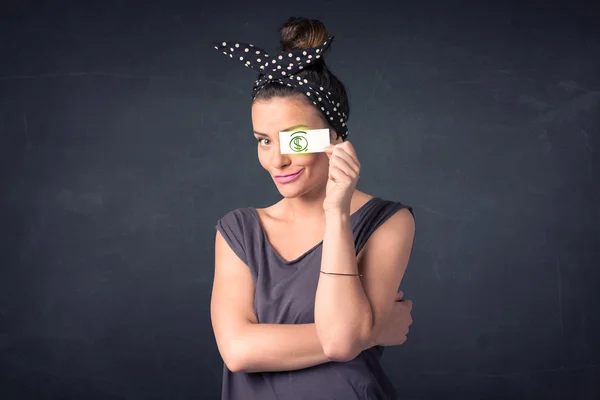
<point x="344" y="170"/>
<point x="395" y="329"/>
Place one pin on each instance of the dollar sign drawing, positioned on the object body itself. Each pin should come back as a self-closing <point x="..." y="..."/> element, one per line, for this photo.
<point x="298" y="143"/>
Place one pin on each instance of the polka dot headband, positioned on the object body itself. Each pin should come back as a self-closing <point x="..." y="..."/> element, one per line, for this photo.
<point x="283" y="69"/>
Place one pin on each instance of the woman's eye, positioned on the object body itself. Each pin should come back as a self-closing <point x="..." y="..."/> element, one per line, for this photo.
<point x="264" y="142"/>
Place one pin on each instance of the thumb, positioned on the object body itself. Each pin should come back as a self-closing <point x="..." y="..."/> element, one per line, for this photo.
<point x="399" y="296"/>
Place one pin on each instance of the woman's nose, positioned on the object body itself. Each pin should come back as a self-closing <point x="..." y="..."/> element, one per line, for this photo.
<point x="279" y="160"/>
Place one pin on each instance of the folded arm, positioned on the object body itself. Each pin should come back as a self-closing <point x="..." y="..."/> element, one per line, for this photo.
<point x="350" y="311"/>
<point x="244" y="344"/>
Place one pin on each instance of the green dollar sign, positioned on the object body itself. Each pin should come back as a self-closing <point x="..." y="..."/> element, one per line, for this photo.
<point x="298" y="143"/>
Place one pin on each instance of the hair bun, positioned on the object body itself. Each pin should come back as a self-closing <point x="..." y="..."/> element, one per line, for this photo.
<point x="302" y="34"/>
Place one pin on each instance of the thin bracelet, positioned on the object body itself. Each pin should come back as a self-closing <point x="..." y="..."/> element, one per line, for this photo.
<point x="336" y="273"/>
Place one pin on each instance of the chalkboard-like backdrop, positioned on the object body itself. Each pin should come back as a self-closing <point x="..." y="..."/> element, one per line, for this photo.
<point x="124" y="136"/>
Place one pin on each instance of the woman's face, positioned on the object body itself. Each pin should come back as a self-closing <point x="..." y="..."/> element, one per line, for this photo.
<point x="294" y="174"/>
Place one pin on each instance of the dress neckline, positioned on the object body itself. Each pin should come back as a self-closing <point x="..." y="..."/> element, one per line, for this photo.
<point x="353" y="216"/>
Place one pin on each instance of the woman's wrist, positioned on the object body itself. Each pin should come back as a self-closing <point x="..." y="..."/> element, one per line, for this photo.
<point x="337" y="215"/>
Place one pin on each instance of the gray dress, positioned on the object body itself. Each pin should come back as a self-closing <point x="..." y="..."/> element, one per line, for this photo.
<point x="285" y="294"/>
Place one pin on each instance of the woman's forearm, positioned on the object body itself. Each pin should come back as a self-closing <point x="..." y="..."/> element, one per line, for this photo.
<point x="277" y="347"/>
<point x="343" y="315"/>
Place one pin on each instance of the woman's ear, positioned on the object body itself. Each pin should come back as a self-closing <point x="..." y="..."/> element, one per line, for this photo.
<point x="334" y="138"/>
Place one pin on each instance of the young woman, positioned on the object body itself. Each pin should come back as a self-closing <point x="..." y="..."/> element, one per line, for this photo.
<point x="305" y="292"/>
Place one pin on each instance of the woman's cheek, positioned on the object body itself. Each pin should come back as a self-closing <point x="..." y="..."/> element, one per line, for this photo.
<point x="262" y="159"/>
<point x="305" y="159"/>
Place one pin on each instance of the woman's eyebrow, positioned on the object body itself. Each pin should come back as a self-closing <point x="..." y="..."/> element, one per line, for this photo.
<point x="291" y="128"/>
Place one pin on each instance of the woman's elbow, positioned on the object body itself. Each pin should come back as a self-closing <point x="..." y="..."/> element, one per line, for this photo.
<point x="343" y="350"/>
<point x="343" y="346"/>
<point x="234" y="357"/>
<point x="234" y="365"/>
<point x="338" y="353"/>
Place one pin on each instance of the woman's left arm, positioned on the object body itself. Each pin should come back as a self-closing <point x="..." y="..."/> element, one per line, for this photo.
<point x="350" y="310"/>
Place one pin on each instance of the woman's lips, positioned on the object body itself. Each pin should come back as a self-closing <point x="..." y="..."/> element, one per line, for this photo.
<point x="288" y="178"/>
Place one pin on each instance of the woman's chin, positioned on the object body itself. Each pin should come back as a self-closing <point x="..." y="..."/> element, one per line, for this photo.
<point x="291" y="191"/>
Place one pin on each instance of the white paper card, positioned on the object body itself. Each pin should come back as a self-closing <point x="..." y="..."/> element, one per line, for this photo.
<point x="304" y="141"/>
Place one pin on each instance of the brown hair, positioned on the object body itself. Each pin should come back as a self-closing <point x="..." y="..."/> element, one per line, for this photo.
<point x="299" y="34"/>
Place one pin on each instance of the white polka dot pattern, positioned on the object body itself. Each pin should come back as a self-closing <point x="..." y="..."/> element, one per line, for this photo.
<point x="282" y="68"/>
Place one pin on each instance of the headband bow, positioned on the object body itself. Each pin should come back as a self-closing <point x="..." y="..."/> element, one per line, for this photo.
<point x="283" y="69"/>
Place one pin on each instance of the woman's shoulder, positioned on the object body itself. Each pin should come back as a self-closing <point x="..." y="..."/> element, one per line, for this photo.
<point x="361" y="199"/>
<point x="369" y="204"/>
<point x="237" y="212"/>
<point x="238" y="218"/>
<point x="387" y="217"/>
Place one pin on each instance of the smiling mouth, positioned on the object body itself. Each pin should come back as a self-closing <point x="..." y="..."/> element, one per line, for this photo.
<point x="285" y="176"/>
<point x="288" y="177"/>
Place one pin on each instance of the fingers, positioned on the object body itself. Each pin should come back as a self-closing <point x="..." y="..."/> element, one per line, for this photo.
<point x="348" y="148"/>
<point x="339" y="152"/>
<point x="343" y="164"/>
<point x="336" y="174"/>
<point x="329" y="150"/>
<point x="344" y="150"/>
<point x="348" y="157"/>
<point x="341" y="161"/>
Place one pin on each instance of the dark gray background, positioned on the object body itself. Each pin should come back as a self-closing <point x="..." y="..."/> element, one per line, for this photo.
<point x="124" y="136"/>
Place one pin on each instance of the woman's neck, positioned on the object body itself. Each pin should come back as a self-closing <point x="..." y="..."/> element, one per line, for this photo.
<point x="306" y="207"/>
<point x="310" y="207"/>
<point x="303" y="210"/>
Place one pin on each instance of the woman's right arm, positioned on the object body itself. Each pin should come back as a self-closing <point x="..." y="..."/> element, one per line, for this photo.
<point x="244" y="344"/>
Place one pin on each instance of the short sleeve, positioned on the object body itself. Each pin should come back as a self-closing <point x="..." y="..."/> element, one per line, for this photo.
<point x="231" y="227"/>
<point x="374" y="216"/>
